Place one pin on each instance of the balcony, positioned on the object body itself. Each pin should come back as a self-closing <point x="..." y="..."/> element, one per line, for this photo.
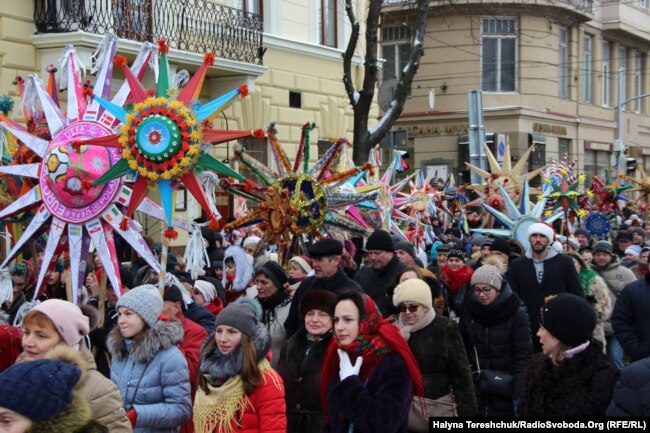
<point x="576" y="10"/>
<point x="625" y="19"/>
<point x="195" y="26"/>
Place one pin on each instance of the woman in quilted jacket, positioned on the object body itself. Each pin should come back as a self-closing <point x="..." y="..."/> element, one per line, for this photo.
<point x="238" y="390"/>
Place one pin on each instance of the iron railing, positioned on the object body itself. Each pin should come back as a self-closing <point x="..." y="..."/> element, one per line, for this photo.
<point x="196" y="26"/>
<point x="580" y="5"/>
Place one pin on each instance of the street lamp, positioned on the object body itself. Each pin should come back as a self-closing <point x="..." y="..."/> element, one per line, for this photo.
<point x="618" y="143"/>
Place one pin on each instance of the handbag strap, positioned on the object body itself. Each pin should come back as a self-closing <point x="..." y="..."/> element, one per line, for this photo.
<point x="478" y="364"/>
<point x="137" y="386"/>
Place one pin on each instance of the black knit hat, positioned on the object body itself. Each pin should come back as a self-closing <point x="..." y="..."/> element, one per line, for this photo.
<point x="318" y="300"/>
<point x="380" y="240"/>
<point x="40" y="389"/>
<point x="172" y="294"/>
<point x="274" y="272"/>
<point x="184" y="277"/>
<point x="500" y="245"/>
<point x="569" y="318"/>
<point x="454" y="252"/>
<point x="583" y="232"/>
<point x="405" y="246"/>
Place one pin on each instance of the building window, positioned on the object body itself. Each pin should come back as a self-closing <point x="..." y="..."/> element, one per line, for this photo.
<point x="564" y="148"/>
<point x="498" y="54"/>
<point x="597" y="164"/>
<point x="638" y="81"/>
<point x="643" y="4"/>
<point x="259" y="150"/>
<point x="252" y="6"/>
<point x="606" y="75"/>
<point x="395" y="49"/>
<point x="564" y="62"/>
<point x="622" y="66"/>
<point x="586" y="67"/>
<point x="328" y="23"/>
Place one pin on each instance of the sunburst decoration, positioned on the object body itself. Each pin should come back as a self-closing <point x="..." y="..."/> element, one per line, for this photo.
<point x="519" y="218"/>
<point x="607" y="193"/>
<point x="504" y="175"/>
<point x="67" y="205"/>
<point x="296" y="200"/>
<point x="161" y="139"/>
<point x="640" y="185"/>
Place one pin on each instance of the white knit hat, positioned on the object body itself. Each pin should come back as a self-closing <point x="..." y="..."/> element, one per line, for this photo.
<point x="414" y="290"/>
<point x="207" y="289"/>
<point x="543" y="229"/>
<point x="145" y="301"/>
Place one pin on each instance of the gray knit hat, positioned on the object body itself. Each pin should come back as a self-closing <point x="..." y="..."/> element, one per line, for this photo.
<point x="145" y="301"/>
<point x="488" y="275"/>
<point x="603" y="247"/>
<point x="242" y="314"/>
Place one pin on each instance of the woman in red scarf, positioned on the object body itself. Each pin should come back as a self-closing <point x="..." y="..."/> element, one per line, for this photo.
<point x="369" y="373"/>
<point x="455" y="279"/>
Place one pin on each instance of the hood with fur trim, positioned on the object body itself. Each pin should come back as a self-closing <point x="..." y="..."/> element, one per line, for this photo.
<point x="222" y="367"/>
<point x="144" y="347"/>
<point x="76" y="418"/>
<point x="243" y="269"/>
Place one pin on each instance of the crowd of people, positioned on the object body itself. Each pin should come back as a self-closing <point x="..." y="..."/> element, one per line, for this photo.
<point x="356" y="335"/>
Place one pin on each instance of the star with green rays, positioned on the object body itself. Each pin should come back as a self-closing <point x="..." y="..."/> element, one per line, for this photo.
<point x="161" y="138"/>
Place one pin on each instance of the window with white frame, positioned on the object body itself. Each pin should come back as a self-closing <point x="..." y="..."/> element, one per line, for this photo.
<point x="622" y="66"/>
<point x="564" y="62"/>
<point x="605" y="90"/>
<point x="643" y="4"/>
<point x="638" y="80"/>
<point x="395" y="49"/>
<point x="327" y="23"/>
<point x="587" y="53"/>
<point x="498" y="54"/>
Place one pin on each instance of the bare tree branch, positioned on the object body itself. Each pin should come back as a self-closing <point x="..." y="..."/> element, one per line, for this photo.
<point x="349" y="53"/>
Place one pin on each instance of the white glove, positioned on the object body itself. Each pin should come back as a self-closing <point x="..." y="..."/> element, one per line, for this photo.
<point x="346" y="369"/>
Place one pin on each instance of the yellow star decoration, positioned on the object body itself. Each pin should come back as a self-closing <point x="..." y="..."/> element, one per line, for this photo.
<point x="548" y="213"/>
<point x="582" y="178"/>
<point x="581" y="213"/>
<point x="511" y="178"/>
<point x="590" y="194"/>
<point x="540" y="197"/>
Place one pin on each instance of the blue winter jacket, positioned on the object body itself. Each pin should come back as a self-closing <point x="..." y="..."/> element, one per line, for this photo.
<point x="152" y="376"/>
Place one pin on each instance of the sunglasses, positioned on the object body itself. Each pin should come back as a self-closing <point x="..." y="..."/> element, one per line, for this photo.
<point x="410" y="308"/>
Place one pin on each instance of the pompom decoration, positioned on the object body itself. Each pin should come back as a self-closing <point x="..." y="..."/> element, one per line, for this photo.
<point x="214" y="225"/>
<point x="120" y="61"/>
<point x="163" y="47"/>
<point x="124" y="224"/>
<point x="209" y="58"/>
<point x="171" y="234"/>
<point x="243" y="90"/>
<point x="259" y="134"/>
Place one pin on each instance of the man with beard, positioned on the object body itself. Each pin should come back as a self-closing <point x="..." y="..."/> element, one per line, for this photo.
<point x="542" y="272"/>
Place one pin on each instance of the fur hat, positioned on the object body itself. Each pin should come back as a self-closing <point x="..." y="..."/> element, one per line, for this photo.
<point x="67" y="318"/>
<point x="323" y="300"/>
<point x="414" y="290"/>
<point x="569" y="318"/>
<point x="207" y="289"/>
<point x="145" y="301"/>
<point x="40" y="389"/>
<point x="303" y="262"/>
<point x="380" y="240"/>
<point x="489" y="275"/>
<point x="543" y="229"/>
<point x="243" y="314"/>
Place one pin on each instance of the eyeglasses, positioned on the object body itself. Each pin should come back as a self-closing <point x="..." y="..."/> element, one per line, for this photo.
<point x="410" y="308"/>
<point x="485" y="291"/>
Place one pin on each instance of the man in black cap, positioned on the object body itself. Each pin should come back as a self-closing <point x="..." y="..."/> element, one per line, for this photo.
<point x="328" y="275"/>
<point x="405" y="253"/>
<point x="623" y="240"/>
<point x="191" y="310"/>
<point x="381" y="267"/>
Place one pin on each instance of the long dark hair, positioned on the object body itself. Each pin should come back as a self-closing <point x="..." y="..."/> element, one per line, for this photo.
<point x="251" y="375"/>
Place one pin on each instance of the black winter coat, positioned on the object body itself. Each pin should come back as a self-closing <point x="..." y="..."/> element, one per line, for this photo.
<point x="381" y="404"/>
<point x="560" y="276"/>
<point x="337" y="282"/>
<point x="300" y="366"/>
<point x="579" y="386"/>
<point x="499" y="332"/>
<point x="632" y="391"/>
<point x="379" y="284"/>
<point x="439" y="350"/>
<point x="631" y="321"/>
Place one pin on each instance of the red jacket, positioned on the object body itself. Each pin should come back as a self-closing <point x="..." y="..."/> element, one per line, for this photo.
<point x="10" y="345"/>
<point x="215" y="306"/>
<point x="194" y="337"/>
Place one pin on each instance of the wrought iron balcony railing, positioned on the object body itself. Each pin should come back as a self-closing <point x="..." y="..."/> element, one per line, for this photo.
<point x="189" y="25"/>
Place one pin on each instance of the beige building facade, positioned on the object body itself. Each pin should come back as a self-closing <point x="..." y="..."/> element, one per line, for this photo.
<point x="548" y="72"/>
<point x="289" y="52"/>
